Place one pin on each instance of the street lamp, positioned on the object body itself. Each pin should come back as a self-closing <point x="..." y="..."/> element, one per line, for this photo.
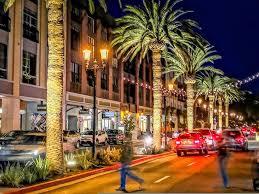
<point x="93" y="65"/>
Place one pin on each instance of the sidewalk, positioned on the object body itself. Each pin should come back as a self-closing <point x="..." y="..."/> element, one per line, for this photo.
<point x="82" y="175"/>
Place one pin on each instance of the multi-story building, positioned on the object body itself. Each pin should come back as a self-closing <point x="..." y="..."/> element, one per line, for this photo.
<point x="121" y="86"/>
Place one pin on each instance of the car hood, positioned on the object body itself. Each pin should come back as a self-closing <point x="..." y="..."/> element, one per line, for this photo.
<point x="15" y="149"/>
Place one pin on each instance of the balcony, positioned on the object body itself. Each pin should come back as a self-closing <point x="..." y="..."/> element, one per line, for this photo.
<point x="75" y="87"/>
<point x="30" y="33"/>
<point x="90" y="90"/>
<point x="105" y="94"/>
<point x="116" y="96"/>
<point x="5" y="22"/>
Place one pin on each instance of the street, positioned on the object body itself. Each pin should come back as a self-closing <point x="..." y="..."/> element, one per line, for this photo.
<point x="172" y="174"/>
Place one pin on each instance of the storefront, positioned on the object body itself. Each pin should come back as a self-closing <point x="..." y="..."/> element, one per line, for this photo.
<point x="108" y="119"/>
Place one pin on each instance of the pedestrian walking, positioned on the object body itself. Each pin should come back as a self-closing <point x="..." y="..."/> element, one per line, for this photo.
<point x="125" y="171"/>
<point x="223" y="155"/>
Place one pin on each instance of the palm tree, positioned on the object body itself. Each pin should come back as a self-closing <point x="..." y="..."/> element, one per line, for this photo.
<point x="188" y="62"/>
<point x="212" y="86"/>
<point x="151" y="27"/>
<point x="54" y="146"/>
<point x="230" y="93"/>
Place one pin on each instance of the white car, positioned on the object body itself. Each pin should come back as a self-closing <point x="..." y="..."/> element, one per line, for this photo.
<point x="101" y="137"/>
<point x="27" y="147"/>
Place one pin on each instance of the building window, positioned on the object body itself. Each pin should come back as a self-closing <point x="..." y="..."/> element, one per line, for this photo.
<point x="75" y="38"/>
<point x="147" y="75"/>
<point x="104" y="80"/>
<point x="34" y="1"/>
<point x="75" y="73"/>
<point x="90" y="78"/>
<point x="30" y="22"/>
<point x="29" y="68"/>
<point x="91" y="29"/>
<point x="91" y="45"/>
<point x="115" y="81"/>
<point x="76" y="14"/>
<point x="3" y="61"/>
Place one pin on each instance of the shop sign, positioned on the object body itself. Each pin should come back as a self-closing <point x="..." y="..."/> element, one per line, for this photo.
<point x="84" y="112"/>
<point x="108" y="114"/>
<point x="41" y="107"/>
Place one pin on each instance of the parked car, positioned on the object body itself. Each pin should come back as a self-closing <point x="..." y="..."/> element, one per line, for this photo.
<point x="210" y="136"/>
<point x="115" y="136"/>
<point x="235" y="139"/>
<point x="101" y="137"/>
<point x="72" y="137"/>
<point x="27" y="147"/>
<point x="10" y="136"/>
<point x="191" y="142"/>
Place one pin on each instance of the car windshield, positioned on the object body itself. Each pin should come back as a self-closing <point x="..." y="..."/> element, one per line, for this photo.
<point x="112" y="131"/>
<point x="88" y="133"/>
<point x="189" y="136"/>
<point x="205" y="132"/>
<point x="29" y="140"/>
<point x="233" y="133"/>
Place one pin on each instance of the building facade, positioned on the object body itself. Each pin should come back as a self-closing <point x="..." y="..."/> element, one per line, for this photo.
<point x="121" y="86"/>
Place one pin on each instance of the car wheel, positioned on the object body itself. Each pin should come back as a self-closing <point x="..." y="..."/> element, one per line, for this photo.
<point x="97" y="142"/>
<point x="206" y="151"/>
<point x="105" y="142"/>
<point x="179" y="153"/>
<point x="122" y="142"/>
<point x="185" y="153"/>
<point x="200" y="152"/>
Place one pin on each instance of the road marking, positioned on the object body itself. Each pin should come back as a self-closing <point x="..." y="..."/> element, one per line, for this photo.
<point x="207" y="156"/>
<point x="191" y="163"/>
<point x="159" y="180"/>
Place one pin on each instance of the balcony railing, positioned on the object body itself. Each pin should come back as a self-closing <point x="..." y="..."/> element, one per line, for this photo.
<point x="105" y="94"/>
<point x="30" y="33"/>
<point x="75" y="87"/>
<point x="90" y="90"/>
<point x="5" y="22"/>
<point x="116" y="96"/>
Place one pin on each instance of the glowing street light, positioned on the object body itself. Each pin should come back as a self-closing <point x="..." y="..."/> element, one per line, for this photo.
<point x="95" y="66"/>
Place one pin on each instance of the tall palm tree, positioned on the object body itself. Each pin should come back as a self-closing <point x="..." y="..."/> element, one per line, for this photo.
<point x="230" y="93"/>
<point x="54" y="146"/>
<point x="189" y="62"/>
<point x="212" y="86"/>
<point x="153" y="27"/>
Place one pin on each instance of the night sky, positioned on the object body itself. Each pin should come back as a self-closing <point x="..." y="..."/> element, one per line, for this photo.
<point x="232" y="26"/>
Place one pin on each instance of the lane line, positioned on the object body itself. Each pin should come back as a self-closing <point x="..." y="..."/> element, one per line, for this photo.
<point x="159" y="180"/>
<point x="191" y="163"/>
<point x="207" y="156"/>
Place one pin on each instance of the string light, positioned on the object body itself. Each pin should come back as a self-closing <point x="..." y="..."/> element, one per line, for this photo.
<point x="247" y="80"/>
<point x="178" y="92"/>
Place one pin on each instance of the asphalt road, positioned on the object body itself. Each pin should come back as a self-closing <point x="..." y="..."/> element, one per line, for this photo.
<point x="173" y="174"/>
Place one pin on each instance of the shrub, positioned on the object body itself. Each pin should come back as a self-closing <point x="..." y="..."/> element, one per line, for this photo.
<point x="115" y="154"/>
<point x="13" y="175"/>
<point x="103" y="157"/>
<point x="84" y="159"/>
<point x="29" y="174"/>
<point x="41" y="168"/>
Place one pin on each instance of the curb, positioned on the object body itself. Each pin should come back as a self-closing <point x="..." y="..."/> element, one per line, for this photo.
<point x="67" y="179"/>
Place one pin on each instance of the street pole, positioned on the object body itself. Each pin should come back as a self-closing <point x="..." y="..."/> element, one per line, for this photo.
<point x="94" y="119"/>
<point x="165" y="122"/>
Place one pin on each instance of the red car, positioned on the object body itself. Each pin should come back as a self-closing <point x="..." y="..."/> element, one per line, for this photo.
<point x="191" y="142"/>
<point x="211" y="137"/>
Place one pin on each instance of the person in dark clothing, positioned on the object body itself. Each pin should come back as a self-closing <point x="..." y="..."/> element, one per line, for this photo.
<point x="126" y="157"/>
<point x="223" y="155"/>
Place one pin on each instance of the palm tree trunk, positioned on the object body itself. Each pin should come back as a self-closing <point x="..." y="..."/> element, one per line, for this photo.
<point x="157" y="94"/>
<point x="211" y="107"/>
<point x="190" y="102"/>
<point x="226" y="113"/>
<point x="54" y="146"/>
<point x="220" y="113"/>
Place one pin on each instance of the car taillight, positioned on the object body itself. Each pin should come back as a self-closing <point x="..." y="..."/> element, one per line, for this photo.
<point x="197" y="141"/>
<point x="178" y="142"/>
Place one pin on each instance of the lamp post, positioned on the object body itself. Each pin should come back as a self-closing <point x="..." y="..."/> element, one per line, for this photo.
<point x="93" y="65"/>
